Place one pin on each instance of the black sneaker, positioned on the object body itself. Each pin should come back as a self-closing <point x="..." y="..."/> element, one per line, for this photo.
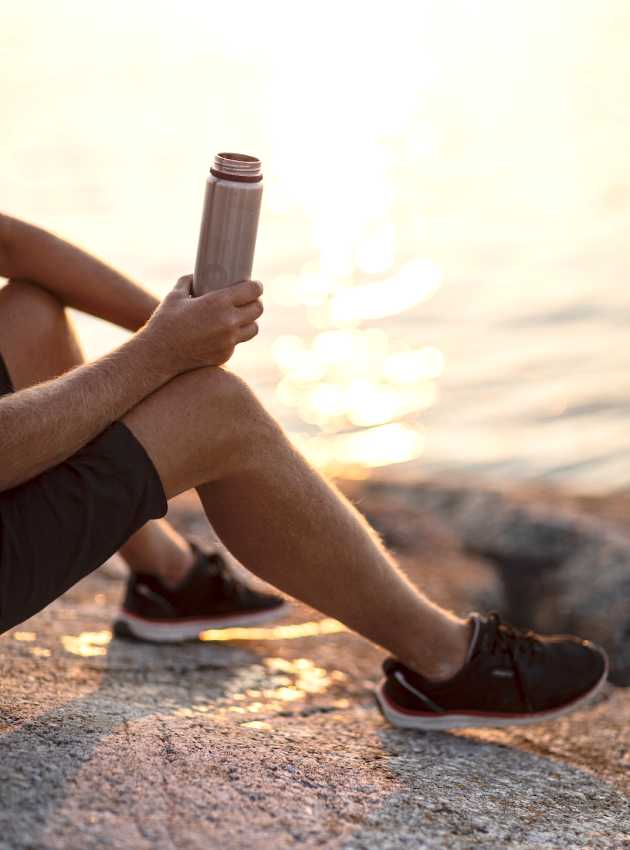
<point x="510" y="678"/>
<point x="211" y="597"/>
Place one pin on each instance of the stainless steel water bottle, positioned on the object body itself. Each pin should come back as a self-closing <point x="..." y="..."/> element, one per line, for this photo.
<point x="229" y="223"/>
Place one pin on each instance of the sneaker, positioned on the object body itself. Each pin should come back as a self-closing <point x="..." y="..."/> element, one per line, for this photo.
<point x="510" y="678"/>
<point x="210" y="597"/>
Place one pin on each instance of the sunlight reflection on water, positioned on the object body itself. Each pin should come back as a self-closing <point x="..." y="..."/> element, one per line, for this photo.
<point x="353" y="377"/>
<point x="440" y="192"/>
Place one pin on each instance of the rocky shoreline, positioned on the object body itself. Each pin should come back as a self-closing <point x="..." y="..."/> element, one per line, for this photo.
<point x="561" y="566"/>
<point x="272" y="739"/>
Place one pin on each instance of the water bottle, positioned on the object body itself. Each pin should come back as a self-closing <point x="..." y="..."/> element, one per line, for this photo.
<point x="229" y="223"/>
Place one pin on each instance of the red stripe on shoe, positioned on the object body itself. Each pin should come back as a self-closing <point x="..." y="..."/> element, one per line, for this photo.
<point x="473" y="713"/>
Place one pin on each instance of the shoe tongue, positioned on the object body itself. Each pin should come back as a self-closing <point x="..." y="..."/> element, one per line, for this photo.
<point x="207" y="566"/>
<point x="204" y="568"/>
<point x="475" y="623"/>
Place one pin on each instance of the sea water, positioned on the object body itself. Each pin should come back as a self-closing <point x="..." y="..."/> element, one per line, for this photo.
<point x="456" y="300"/>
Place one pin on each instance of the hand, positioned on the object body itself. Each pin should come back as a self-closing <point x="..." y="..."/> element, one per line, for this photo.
<point x="188" y="332"/>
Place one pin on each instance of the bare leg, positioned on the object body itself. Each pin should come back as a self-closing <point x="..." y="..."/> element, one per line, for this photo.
<point x="37" y="342"/>
<point x="159" y="550"/>
<point x="279" y="516"/>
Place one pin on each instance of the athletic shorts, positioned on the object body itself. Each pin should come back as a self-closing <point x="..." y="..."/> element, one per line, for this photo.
<point x="61" y="525"/>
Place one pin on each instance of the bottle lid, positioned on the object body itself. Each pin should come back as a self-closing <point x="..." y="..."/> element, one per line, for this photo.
<point x="237" y="166"/>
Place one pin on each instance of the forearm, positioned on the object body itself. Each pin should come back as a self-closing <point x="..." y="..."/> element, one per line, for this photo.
<point x="77" y="279"/>
<point x="43" y="425"/>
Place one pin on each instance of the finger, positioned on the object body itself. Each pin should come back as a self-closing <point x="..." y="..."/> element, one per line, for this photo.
<point x="184" y="284"/>
<point x="245" y="292"/>
<point x="247" y="332"/>
<point x="249" y="313"/>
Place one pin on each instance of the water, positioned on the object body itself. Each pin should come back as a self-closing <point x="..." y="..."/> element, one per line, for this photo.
<point x="444" y="232"/>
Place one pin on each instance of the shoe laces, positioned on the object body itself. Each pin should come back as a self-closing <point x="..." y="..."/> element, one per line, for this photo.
<point x="501" y="638"/>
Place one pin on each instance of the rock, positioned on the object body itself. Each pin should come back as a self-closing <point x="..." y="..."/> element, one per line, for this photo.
<point x="431" y="554"/>
<point x="277" y="742"/>
<point x="562" y="571"/>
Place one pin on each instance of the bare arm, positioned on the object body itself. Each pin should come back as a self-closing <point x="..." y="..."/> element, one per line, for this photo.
<point x="43" y="425"/>
<point x="73" y="276"/>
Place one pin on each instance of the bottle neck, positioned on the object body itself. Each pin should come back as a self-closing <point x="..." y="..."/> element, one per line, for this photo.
<point x="238" y="167"/>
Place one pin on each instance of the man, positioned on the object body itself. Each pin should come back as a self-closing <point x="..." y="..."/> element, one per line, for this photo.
<point x="89" y="457"/>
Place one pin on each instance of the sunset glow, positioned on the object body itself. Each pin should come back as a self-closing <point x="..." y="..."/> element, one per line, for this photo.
<point x="460" y="185"/>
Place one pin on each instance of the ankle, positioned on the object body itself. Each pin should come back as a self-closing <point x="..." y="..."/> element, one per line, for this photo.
<point x="449" y="657"/>
<point x="170" y="567"/>
<point x="173" y="571"/>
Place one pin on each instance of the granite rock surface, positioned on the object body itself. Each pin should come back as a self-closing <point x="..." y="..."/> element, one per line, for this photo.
<point x="275" y="742"/>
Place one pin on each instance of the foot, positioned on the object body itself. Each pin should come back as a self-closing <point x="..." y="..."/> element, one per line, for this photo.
<point x="509" y="678"/>
<point x="210" y="597"/>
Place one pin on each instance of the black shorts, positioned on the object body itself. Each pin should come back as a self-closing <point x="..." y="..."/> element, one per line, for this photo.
<point x="62" y="524"/>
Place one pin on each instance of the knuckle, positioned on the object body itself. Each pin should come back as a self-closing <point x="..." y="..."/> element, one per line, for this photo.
<point x="222" y="297"/>
<point x="226" y="319"/>
<point x="206" y="302"/>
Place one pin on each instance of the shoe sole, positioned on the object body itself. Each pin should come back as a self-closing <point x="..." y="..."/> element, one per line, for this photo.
<point x="176" y="631"/>
<point x="428" y="722"/>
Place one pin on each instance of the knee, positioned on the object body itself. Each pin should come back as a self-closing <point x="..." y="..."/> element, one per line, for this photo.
<point x="238" y="420"/>
<point x="30" y="307"/>
<point x="225" y="393"/>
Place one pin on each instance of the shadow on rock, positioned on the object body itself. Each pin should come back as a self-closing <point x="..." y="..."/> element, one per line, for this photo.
<point x="465" y="793"/>
<point x="41" y="759"/>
